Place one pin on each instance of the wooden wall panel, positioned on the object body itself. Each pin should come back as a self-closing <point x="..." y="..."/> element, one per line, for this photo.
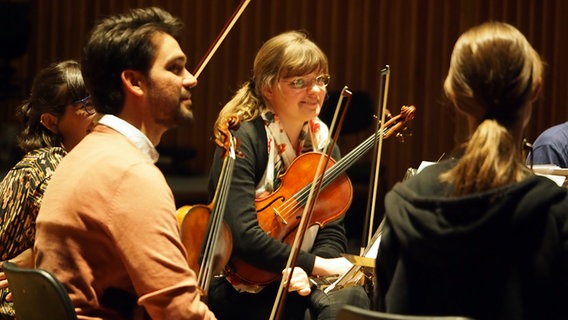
<point x="414" y="37"/>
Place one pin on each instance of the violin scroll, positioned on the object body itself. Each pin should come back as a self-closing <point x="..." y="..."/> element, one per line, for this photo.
<point x="224" y="138"/>
<point x="397" y="125"/>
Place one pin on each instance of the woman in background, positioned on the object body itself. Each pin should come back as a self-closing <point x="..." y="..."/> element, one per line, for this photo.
<point x="55" y="117"/>
<point x="479" y="235"/>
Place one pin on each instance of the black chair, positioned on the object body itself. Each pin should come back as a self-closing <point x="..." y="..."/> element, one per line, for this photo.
<point x="38" y="295"/>
<point x="348" y="312"/>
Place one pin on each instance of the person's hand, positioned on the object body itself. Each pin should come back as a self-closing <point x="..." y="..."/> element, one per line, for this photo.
<point x="332" y="266"/>
<point x="4" y="284"/>
<point x="24" y="260"/>
<point x="299" y="281"/>
<point x="3" y="281"/>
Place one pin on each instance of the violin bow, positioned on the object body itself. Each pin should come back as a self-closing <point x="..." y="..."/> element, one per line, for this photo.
<point x="228" y="26"/>
<point x="280" y="300"/>
<point x="372" y="196"/>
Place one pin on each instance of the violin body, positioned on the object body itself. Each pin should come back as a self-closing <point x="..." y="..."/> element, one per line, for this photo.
<point x="279" y="213"/>
<point x="194" y="226"/>
<point x="331" y="203"/>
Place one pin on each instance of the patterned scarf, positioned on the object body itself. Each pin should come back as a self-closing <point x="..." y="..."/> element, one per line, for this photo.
<point x="281" y="152"/>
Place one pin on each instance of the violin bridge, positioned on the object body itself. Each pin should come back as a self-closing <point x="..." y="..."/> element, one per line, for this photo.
<point x="276" y="213"/>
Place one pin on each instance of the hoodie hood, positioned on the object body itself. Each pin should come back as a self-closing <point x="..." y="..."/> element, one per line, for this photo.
<point x="436" y="229"/>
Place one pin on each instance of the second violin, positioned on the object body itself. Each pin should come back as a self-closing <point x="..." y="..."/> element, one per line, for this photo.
<point x="206" y="237"/>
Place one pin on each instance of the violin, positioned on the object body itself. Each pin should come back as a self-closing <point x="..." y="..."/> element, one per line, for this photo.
<point x="279" y="213"/>
<point x="205" y="236"/>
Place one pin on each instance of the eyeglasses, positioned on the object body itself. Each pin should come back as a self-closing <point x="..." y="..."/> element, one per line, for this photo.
<point x="300" y="83"/>
<point x="86" y="104"/>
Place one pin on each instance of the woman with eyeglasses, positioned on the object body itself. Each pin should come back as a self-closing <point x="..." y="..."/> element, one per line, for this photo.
<point x="278" y="111"/>
<point x="55" y="117"/>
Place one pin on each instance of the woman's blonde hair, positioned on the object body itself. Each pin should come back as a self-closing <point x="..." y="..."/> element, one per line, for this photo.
<point x="290" y="53"/>
<point x="494" y="74"/>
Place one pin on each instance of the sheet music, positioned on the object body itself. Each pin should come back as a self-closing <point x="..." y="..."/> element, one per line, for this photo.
<point x="424" y="164"/>
<point x="374" y="249"/>
<point x="552" y="172"/>
<point x="370" y="252"/>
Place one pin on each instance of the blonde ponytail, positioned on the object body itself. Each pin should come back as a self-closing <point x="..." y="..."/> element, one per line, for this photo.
<point x="245" y="104"/>
<point x="490" y="160"/>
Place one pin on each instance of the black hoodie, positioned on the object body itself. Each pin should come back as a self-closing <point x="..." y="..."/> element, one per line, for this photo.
<point x="499" y="254"/>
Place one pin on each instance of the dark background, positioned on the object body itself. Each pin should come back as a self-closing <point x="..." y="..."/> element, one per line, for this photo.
<point x="413" y="37"/>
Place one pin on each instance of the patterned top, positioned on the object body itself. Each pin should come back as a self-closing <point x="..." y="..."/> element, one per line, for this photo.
<point x="21" y="193"/>
<point x="281" y="154"/>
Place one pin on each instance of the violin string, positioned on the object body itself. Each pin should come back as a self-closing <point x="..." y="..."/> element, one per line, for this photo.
<point x="298" y="200"/>
<point x="207" y="261"/>
<point x="207" y="266"/>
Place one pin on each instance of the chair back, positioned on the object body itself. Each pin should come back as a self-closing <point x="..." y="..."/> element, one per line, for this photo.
<point x="348" y="312"/>
<point x="37" y="294"/>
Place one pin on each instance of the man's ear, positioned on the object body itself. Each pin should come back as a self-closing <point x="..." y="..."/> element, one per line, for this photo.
<point x="50" y="122"/>
<point x="132" y="81"/>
